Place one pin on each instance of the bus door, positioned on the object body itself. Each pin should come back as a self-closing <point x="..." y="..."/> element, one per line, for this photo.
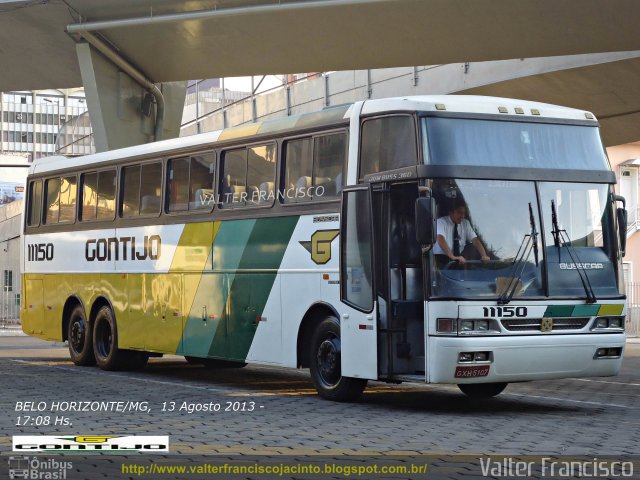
<point x="358" y="326"/>
<point x="399" y="281"/>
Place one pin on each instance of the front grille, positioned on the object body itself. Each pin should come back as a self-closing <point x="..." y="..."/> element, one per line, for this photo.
<point x="535" y="324"/>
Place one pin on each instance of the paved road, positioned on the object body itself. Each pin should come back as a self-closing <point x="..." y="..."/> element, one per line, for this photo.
<point x="591" y="417"/>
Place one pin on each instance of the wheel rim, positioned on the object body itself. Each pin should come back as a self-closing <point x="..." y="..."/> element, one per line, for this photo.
<point x="78" y="334"/>
<point x="104" y="339"/>
<point x="329" y="361"/>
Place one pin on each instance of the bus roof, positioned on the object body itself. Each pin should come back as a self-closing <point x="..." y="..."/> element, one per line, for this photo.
<point x="338" y="114"/>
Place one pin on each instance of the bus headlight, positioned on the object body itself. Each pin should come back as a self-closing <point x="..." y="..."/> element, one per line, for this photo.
<point x="615" y="322"/>
<point x="602" y="322"/>
<point x="466" y="326"/>
<point x="609" y="323"/>
<point x="479" y="326"/>
<point x="482" y="325"/>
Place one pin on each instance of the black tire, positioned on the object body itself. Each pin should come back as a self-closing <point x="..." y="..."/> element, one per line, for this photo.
<point x="105" y="341"/>
<point x="482" y="390"/>
<point x="214" y="362"/>
<point x="325" y="364"/>
<point x="79" y="338"/>
<point x="134" y="360"/>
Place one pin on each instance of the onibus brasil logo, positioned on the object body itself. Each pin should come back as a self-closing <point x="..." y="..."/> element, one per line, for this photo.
<point x="90" y="443"/>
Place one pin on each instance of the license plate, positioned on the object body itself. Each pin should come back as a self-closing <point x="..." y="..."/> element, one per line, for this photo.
<point x="472" y="371"/>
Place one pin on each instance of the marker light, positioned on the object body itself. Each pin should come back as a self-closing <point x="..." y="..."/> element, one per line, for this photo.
<point x="446" y="325"/>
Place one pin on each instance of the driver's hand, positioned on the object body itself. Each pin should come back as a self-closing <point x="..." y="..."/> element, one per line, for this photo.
<point x="460" y="259"/>
<point x="485" y="258"/>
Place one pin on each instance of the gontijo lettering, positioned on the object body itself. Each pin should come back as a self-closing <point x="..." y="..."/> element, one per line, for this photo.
<point x="123" y="248"/>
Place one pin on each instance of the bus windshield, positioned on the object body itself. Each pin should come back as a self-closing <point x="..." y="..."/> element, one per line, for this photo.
<point x="496" y="244"/>
<point x="462" y="141"/>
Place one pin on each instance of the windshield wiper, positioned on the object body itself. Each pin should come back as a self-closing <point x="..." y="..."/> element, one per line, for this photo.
<point x="529" y="243"/>
<point x="561" y="239"/>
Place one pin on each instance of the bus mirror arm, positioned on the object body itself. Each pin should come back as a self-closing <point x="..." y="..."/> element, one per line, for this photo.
<point x="621" y="214"/>
<point x="425" y="224"/>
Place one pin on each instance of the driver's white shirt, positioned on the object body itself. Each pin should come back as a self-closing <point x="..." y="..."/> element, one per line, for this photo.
<point x="444" y="227"/>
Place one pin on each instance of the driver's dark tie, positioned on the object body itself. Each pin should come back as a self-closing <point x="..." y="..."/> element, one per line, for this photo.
<point x="456" y="241"/>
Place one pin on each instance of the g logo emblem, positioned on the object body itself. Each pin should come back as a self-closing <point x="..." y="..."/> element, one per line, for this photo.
<point x="320" y="245"/>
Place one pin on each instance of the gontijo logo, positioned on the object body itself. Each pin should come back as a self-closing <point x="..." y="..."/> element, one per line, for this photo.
<point x="90" y="443"/>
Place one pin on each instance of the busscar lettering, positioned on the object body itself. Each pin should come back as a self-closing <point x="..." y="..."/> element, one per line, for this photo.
<point x="125" y="248"/>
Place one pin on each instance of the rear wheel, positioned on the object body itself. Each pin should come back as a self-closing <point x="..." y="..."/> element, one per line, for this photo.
<point x="482" y="390"/>
<point x="105" y="341"/>
<point x="79" y="338"/>
<point x="325" y="364"/>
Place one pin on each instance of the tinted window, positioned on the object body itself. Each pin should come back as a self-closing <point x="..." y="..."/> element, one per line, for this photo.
<point x="247" y="176"/>
<point x="329" y="155"/>
<point x="261" y="173"/>
<point x="52" y="187"/>
<point x="233" y="178"/>
<point x="314" y="168"/>
<point x="387" y="143"/>
<point x="190" y="183"/>
<point x="178" y="184"/>
<point x="460" y="141"/>
<point x="141" y="185"/>
<point x="150" y="188"/>
<point x="298" y="169"/>
<point x="106" y="194"/>
<point x="201" y="182"/>
<point x="68" y="193"/>
<point x="130" y="191"/>
<point x="35" y="203"/>
<point x="89" y="196"/>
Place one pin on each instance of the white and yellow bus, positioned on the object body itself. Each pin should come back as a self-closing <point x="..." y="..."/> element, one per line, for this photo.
<point x="309" y="242"/>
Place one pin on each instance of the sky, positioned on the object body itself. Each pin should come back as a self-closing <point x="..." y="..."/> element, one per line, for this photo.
<point x="243" y="84"/>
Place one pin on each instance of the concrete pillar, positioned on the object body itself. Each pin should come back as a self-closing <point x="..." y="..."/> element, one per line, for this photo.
<point x="115" y="103"/>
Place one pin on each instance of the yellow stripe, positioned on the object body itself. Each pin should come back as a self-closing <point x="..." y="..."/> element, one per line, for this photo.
<point x="610" y="310"/>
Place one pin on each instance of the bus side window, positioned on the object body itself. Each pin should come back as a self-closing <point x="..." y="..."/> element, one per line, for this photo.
<point x="106" y="207"/>
<point x="201" y="194"/>
<point x="89" y="189"/>
<point x="52" y="189"/>
<point x="298" y="167"/>
<point x="261" y="173"/>
<point x="130" y="191"/>
<point x="387" y="143"/>
<point x="68" y="194"/>
<point x="150" y="188"/>
<point x="178" y="184"/>
<point x="233" y="178"/>
<point x="329" y="155"/>
<point x="35" y="203"/>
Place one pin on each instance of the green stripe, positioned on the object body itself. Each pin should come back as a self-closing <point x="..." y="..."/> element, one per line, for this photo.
<point x="559" y="311"/>
<point x="249" y="292"/>
<point x="583" y="310"/>
<point x="207" y="317"/>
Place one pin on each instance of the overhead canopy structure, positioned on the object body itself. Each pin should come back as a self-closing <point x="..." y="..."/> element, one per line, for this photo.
<point x="610" y="90"/>
<point x="171" y="40"/>
<point x="175" y="40"/>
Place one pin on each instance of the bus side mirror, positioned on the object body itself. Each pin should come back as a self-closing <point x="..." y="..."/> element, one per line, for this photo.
<point x="621" y="214"/>
<point x="425" y="225"/>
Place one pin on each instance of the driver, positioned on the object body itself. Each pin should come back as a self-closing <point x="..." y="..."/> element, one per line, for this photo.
<point x="454" y="233"/>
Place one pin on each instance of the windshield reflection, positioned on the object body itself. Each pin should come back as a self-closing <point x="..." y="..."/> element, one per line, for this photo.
<point x="496" y="221"/>
<point x="490" y="240"/>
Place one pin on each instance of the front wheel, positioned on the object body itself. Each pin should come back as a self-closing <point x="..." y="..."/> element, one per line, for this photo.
<point x="482" y="390"/>
<point x="79" y="338"/>
<point x="325" y="364"/>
